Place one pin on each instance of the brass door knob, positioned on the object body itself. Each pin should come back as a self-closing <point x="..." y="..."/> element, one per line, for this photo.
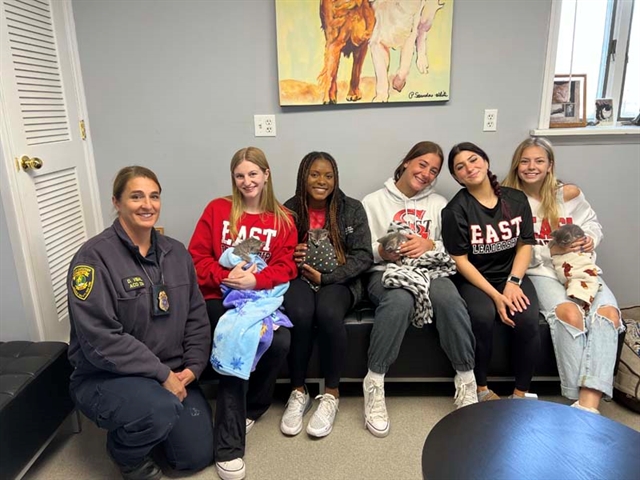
<point x="30" y="163"/>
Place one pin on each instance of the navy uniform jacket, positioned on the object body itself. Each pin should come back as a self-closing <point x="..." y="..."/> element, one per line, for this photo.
<point x="110" y="308"/>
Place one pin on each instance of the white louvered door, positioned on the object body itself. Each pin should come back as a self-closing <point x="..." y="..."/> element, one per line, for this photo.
<point x="55" y="207"/>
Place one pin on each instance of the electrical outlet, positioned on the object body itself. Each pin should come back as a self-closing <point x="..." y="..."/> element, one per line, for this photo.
<point x="490" y="120"/>
<point x="265" y="125"/>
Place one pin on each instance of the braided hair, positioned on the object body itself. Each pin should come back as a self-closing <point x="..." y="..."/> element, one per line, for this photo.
<point x="332" y="208"/>
<point x="493" y="180"/>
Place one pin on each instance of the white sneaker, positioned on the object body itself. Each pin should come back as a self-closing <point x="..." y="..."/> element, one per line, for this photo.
<point x="376" y="419"/>
<point x="466" y="393"/>
<point x="231" y="470"/>
<point x="297" y="406"/>
<point x="577" y="405"/>
<point x="321" y="422"/>
<point x="250" y="424"/>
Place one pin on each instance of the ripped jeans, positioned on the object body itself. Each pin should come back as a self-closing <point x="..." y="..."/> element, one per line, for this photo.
<point x="586" y="358"/>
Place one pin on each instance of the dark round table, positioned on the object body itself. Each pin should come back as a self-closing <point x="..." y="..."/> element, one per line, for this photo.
<point x="529" y="439"/>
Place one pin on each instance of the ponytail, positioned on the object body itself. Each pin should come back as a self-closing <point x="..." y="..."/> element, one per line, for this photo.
<point x="506" y="211"/>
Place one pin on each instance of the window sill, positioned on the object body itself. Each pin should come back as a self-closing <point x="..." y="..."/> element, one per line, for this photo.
<point x="587" y="131"/>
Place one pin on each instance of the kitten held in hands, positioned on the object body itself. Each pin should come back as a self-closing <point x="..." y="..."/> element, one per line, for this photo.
<point x="392" y="242"/>
<point x="577" y="271"/>
<point x="247" y="247"/>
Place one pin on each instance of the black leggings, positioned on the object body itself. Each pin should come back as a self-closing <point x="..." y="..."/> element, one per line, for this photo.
<point x="525" y="335"/>
<point x="326" y="309"/>
<point x="238" y="399"/>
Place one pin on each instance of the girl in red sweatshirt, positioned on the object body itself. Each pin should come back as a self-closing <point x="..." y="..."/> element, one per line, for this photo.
<point x="251" y="211"/>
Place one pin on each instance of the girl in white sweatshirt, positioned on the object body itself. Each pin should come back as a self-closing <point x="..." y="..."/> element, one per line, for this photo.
<point x="409" y="198"/>
<point x="585" y="343"/>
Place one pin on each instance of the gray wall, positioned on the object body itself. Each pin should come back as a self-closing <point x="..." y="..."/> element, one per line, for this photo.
<point x="13" y="324"/>
<point x="174" y="85"/>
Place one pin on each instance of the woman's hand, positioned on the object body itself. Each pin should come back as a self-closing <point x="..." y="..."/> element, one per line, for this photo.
<point x="388" y="256"/>
<point x="175" y="386"/>
<point x="311" y="274"/>
<point x="241" y="279"/>
<point x="415" y="246"/>
<point x="300" y="254"/>
<point x="502" y="303"/>
<point x="186" y="376"/>
<point x="584" y="244"/>
<point x="516" y="296"/>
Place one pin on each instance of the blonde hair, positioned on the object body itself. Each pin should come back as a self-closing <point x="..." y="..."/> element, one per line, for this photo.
<point x="268" y="201"/>
<point x="549" y="189"/>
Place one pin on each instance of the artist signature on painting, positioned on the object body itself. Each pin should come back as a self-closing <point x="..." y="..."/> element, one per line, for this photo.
<point x="416" y="95"/>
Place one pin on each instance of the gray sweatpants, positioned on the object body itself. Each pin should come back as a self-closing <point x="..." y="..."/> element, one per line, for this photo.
<point x="394" y="309"/>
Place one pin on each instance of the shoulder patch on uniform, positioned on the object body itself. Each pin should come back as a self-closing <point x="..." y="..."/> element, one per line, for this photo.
<point x="82" y="281"/>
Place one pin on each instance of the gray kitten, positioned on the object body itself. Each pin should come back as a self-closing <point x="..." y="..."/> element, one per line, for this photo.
<point x="392" y="242"/>
<point x="566" y="235"/>
<point x="247" y="247"/>
<point x="317" y="235"/>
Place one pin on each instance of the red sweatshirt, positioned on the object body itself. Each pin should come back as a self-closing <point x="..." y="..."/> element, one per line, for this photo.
<point x="212" y="236"/>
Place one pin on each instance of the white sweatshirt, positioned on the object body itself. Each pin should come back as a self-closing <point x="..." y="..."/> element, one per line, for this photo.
<point x="576" y="211"/>
<point x="422" y="213"/>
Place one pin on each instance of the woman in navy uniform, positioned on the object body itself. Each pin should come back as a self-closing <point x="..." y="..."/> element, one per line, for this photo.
<point x="140" y="337"/>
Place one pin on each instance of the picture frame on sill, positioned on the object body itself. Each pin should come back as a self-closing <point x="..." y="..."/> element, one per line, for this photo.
<point x="568" y="101"/>
<point x="604" y="112"/>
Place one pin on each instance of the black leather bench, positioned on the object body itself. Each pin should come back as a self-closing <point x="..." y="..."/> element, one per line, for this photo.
<point x="34" y="401"/>
<point x="421" y="358"/>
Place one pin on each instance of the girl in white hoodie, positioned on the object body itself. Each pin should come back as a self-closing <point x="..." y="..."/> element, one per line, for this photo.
<point x="409" y="198"/>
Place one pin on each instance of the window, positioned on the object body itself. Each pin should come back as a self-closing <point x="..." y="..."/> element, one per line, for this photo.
<point x="599" y="38"/>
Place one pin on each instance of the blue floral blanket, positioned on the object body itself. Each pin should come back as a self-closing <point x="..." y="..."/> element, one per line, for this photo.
<point x="245" y="330"/>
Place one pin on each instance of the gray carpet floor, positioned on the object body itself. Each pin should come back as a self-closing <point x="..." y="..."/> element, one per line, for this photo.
<point x="349" y="452"/>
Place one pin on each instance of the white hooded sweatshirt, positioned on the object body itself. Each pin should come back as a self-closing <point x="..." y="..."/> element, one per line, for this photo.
<point x="421" y="213"/>
<point x="577" y="211"/>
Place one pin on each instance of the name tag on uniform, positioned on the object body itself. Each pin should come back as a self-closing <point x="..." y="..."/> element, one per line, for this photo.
<point x="133" y="283"/>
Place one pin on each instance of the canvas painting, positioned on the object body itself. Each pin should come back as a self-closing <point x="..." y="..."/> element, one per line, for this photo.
<point x="363" y="51"/>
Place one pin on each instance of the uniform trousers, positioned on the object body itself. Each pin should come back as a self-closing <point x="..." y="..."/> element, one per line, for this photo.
<point x="239" y="399"/>
<point x="139" y="413"/>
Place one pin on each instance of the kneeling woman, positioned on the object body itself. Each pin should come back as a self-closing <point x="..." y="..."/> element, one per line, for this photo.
<point x="251" y="211"/>
<point x="323" y="299"/>
<point x="488" y="231"/>
<point x="140" y="337"/>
